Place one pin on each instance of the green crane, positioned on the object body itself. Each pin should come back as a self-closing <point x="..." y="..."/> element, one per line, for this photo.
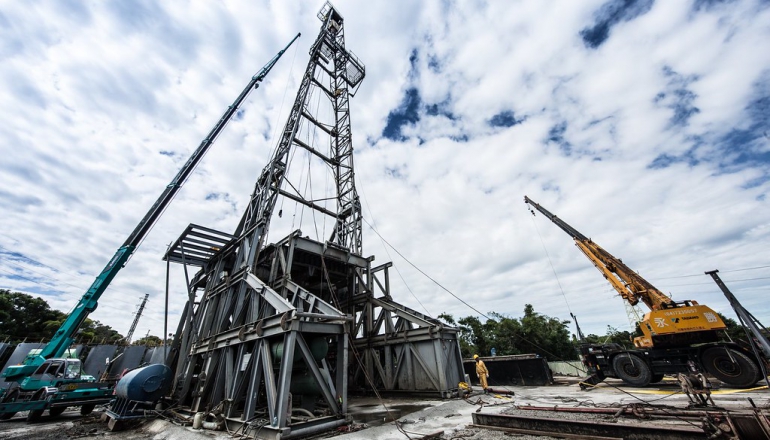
<point x="88" y="302"/>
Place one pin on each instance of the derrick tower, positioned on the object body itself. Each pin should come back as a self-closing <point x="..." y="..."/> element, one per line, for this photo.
<point x="274" y="335"/>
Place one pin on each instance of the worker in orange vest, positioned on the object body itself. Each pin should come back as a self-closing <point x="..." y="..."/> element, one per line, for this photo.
<point x="481" y="372"/>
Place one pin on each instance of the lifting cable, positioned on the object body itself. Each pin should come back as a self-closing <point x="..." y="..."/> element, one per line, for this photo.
<point x="565" y="300"/>
<point x="301" y="177"/>
<point x="314" y="133"/>
<point x="275" y="130"/>
<point x="550" y="262"/>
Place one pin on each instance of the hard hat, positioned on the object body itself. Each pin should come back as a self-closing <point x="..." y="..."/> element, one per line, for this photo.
<point x="475" y="356"/>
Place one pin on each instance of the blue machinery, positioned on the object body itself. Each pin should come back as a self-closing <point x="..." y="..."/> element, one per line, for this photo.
<point x="138" y="392"/>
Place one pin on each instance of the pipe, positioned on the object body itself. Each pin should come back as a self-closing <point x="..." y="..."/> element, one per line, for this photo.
<point x="623" y="411"/>
<point x="303" y="410"/>
<point x="214" y="426"/>
<point x="309" y="430"/>
<point x="197" y="420"/>
<point x="500" y="391"/>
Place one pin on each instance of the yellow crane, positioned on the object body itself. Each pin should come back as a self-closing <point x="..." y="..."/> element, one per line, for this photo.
<point x="676" y="335"/>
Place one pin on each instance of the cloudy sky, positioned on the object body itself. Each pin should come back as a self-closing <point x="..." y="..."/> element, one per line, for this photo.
<point x="644" y="124"/>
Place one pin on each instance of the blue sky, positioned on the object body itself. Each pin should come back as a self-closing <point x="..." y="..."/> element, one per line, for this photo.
<point x="644" y="124"/>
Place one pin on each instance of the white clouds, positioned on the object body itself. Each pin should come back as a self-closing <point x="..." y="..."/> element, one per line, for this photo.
<point x="93" y="95"/>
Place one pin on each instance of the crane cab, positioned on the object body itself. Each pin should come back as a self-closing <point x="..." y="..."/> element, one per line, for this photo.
<point x="55" y="372"/>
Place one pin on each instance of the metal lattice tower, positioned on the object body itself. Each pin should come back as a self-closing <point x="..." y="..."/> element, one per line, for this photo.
<point x="278" y="332"/>
<point x="334" y="73"/>
<point x="139" y="311"/>
<point x="634" y="314"/>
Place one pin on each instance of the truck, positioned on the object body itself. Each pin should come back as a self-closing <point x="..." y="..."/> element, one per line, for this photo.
<point x="676" y="336"/>
<point x="46" y="380"/>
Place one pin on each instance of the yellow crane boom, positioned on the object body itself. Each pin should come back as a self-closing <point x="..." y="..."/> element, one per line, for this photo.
<point x="668" y="323"/>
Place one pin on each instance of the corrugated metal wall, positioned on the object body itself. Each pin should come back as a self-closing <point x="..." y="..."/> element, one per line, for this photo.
<point x="574" y="368"/>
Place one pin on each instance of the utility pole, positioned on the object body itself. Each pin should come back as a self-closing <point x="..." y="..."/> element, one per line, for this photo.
<point x="580" y="334"/>
<point x="136" y="319"/>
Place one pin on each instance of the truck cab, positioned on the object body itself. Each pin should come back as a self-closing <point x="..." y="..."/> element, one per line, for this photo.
<point x="54" y="373"/>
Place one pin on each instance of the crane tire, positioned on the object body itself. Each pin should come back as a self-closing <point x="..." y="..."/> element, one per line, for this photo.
<point x="632" y="369"/>
<point x="34" y="414"/>
<point x="731" y="366"/>
<point x="10" y="397"/>
<point x="56" y="411"/>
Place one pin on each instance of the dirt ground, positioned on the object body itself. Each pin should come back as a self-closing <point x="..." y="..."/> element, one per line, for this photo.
<point x="417" y="418"/>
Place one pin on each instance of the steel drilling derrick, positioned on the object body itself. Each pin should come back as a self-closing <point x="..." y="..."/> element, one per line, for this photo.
<point x="274" y="335"/>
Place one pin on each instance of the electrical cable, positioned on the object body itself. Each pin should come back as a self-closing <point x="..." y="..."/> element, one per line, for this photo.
<point x="521" y="337"/>
<point x="471" y="307"/>
<point x="721" y="271"/>
<point x="352" y="345"/>
<point x="366" y="202"/>
<point x="52" y="281"/>
<point x="425" y="274"/>
<point x="711" y="284"/>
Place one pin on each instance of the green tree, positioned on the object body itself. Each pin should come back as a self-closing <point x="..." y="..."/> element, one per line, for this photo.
<point x="733" y="332"/>
<point x="532" y="333"/>
<point x="464" y="337"/>
<point x="150" y="341"/>
<point x="98" y="333"/>
<point x="472" y="333"/>
<point x="544" y="335"/>
<point x="613" y="335"/>
<point x="24" y="317"/>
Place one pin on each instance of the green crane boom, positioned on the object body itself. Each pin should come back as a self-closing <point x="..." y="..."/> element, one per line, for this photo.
<point x="88" y="303"/>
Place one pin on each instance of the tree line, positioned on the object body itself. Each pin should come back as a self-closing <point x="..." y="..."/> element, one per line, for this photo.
<point x="31" y="319"/>
<point x="535" y="333"/>
<point x="25" y="318"/>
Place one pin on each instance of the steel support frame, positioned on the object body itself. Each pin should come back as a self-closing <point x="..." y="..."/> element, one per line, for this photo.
<point x="233" y="369"/>
<point x="395" y="348"/>
<point x="254" y="308"/>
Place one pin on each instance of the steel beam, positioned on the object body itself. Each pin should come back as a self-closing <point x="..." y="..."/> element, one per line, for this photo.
<point x="552" y="426"/>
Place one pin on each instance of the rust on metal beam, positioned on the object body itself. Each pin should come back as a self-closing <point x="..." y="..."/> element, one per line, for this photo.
<point x="545" y="433"/>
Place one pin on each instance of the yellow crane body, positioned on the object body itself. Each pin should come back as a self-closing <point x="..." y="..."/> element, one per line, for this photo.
<point x="677" y="336"/>
<point x="668" y="321"/>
